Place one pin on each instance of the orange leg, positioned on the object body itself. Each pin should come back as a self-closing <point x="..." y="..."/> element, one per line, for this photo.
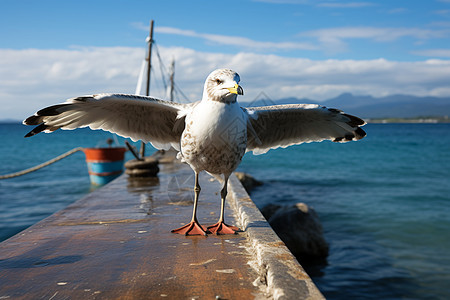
<point x="220" y="227"/>
<point x="193" y="227"/>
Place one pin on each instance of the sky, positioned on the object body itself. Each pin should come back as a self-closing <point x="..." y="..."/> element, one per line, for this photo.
<point x="54" y="50"/>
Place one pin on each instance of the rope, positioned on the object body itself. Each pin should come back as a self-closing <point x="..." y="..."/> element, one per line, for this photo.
<point x="162" y="67"/>
<point x="41" y="165"/>
<point x="177" y="89"/>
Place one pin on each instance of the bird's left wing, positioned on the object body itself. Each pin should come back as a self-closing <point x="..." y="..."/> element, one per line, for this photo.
<point x="136" y="117"/>
<point x="276" y="126"/>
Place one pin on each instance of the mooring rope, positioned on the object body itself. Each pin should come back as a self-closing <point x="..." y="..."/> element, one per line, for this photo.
<point x="20" y="173"/>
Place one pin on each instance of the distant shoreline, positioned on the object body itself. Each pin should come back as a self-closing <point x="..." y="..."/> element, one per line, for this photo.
<point x="424" y="120"/>
<point x="10" y="122"/>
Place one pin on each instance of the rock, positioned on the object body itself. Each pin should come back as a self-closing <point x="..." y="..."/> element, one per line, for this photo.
<point x="247" y="181"/>
<point x="298" y="226"/>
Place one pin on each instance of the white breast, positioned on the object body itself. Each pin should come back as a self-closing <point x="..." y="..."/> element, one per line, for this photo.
<point x="215" y="137"/>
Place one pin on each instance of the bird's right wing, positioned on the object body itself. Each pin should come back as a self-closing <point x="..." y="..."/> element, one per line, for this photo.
<point x="270" y="127"/>
<point x="137" y="117"/>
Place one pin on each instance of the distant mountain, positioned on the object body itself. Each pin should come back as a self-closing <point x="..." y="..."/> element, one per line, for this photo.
<point x="368" y="107"/>
<point x="394" y="106"/>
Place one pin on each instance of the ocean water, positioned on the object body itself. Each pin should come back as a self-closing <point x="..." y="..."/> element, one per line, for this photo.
<point x="384" y="201"/>
<point x="30" y="198"/>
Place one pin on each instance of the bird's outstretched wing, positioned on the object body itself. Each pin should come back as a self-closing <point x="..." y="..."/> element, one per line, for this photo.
<point x="136" y="117"/>
<point x="276" y="126"/>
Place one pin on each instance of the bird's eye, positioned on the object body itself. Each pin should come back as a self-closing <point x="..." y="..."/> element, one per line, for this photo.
<point x="218" y="81"/>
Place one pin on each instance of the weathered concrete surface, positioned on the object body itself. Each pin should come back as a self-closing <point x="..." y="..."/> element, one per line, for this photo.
<point x="116" y="244"/>
<point x="283" y="276"/>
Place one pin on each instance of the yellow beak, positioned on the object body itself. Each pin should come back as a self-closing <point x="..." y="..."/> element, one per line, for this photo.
<point x="237" y="89"/>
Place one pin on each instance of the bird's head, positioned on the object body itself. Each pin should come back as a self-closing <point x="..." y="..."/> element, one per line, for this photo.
<point x="222" y="85"/>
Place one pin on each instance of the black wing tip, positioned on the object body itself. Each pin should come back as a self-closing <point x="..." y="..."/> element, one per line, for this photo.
<point x="33" y="120"/>
<point x="51" y="110"/>
<point x="355" y="121"/>
<point x="29" y="134"/>
<point x="360" y="133"/>
<point x="38" y="117"/>
<point x="356" y="135"/>
<point x="36" y="130"/>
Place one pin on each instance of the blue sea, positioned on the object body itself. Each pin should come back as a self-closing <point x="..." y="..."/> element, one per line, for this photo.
<point x="384" y="201"/>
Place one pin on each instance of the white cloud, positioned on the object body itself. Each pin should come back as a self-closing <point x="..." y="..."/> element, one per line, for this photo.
<point x="284" y="1"/>
<point x="440" y="23"/>
<point x="399" y="10"/>
<point x="334" y="40"/>
<point x="442" y="12"/>
<point x="320" y="3"/>
<point x="376" y="33"/>
<point x="434" y="52"/>
<point x="31" y="79"/>
<point x="328" y="40"/>
<point x="238" y="41"/>
<point x="345" y="5"/>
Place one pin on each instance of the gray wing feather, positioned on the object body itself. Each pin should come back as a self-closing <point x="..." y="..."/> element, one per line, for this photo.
<point x="136" y="117"/>
<point x="285" y="125"/>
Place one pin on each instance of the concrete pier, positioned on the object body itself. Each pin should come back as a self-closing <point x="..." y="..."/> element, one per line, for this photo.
<point x="116" y="243"/>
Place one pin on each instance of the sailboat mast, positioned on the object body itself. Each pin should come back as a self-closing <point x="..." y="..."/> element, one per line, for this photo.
<point x="149" y="67"/>
<point x="149" y="58"/>
<point x="171" y="78"/>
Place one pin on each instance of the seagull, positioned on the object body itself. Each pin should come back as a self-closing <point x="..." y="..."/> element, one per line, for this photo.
<point x="210" y="135"/>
